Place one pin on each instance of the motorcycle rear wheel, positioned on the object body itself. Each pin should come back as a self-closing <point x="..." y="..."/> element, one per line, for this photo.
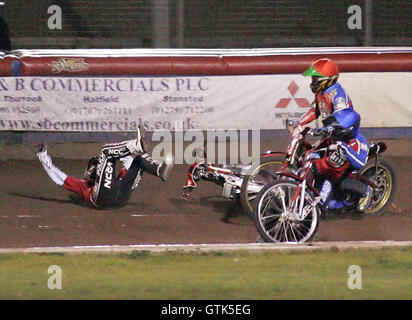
<point x="385" y="180"/>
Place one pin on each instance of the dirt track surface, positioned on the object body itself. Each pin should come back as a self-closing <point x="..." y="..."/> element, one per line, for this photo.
<point x="36" y="212"/>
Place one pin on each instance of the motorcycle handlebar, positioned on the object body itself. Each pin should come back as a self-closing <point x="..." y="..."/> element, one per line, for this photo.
<point x="305" y="131"/>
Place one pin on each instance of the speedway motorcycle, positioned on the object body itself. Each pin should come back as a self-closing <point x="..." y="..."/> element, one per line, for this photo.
<point x="289" y="209"/>
<point x="240" y="183"/>
<point x="229" y="177"/>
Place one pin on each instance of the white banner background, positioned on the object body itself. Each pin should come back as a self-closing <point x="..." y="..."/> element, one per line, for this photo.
<point x="189" y="103"/>
<point x="382" y="99"/>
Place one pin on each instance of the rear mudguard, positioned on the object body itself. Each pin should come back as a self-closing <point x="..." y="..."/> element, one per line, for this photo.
<point x="271" y="153"/>
<point x="376" y="148"/>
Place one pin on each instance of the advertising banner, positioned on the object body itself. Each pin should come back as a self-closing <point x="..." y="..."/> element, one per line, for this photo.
<point x="119" y="104"/>
<point x="383" y="99"/>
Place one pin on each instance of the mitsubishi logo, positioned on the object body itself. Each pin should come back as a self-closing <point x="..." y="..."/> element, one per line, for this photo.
<point x="301" y="102"/>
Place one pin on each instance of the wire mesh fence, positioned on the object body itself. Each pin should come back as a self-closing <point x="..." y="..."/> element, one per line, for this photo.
<point x="206" y="23"/>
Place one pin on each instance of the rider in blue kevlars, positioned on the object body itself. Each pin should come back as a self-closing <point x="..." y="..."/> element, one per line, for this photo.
<point x="340" y="120"/>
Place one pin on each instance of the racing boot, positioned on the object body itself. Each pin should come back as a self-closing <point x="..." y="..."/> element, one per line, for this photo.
<point x="41" y="147"/>
<point x="123" y="149"/>
<point x="157" y="168"/>
<point x="42" y="154"/>
<point x="137" y="146"/>
<point x="365" y="201"/>
<point x="166" y="168"/>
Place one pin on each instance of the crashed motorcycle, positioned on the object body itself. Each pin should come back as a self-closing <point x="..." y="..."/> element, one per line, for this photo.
<point x="289" y="209"/>
<point x="229" y="177"/>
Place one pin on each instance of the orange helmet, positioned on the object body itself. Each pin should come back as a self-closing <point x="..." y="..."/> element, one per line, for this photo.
<point x="324" y="73"/>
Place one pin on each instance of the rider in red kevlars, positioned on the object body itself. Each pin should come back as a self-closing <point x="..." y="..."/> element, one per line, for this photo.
<point x="100" y="186"/>
<point x="339" y="118"/>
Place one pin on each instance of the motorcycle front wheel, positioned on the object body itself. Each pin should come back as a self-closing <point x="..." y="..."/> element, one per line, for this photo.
<point x="273" y="220"/>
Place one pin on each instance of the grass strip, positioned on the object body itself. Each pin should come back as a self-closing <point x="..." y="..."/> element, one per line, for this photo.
<point x="323" y="274"/>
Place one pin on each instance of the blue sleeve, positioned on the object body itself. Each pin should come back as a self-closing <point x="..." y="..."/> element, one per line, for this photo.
<point x="357" y="159"/>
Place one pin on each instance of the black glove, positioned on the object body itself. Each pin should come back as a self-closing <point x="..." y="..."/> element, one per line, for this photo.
<point x="338" y="157"/>
<point x="319" y="131"/>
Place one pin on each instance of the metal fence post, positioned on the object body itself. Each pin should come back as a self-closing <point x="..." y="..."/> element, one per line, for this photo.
<point x="180" y="23"/>
<point x="161" y="25"/>
<point x="368" y="40"/>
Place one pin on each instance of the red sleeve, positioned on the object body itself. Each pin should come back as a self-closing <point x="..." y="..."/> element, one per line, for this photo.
<point x="78" y="186"/>
<point x="324" y="102"/>
<point x="309" y="116"/>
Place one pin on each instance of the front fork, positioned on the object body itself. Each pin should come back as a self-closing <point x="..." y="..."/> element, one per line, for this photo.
<point x="302" y="199"/>
<point x="298" y="210"/>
